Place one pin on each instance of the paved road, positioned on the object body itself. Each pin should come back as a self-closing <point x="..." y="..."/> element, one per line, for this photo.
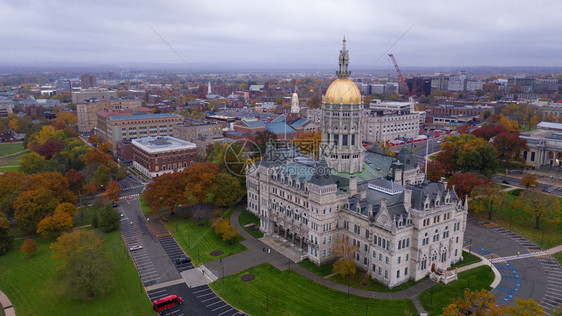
<point x="156" y="267"/>
<point x="515" y="182"/>
<point x="539" y="278"/>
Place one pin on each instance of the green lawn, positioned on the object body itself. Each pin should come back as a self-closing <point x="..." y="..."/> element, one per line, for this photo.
<point x="323" y="270"/>
<point x="296" y="295"/>
<point x="468" y="259"/>
<point x="247" y="218"/>
<point x="199" y="241"/>
<point x="10" y="148"/>
<point x="550" y="235"/>
<point x="361" y="281"/>
<point x="6" y="169"/>
<point x="11" y="160"/>
<point x="443" y="295"/>
<point x="145" y="209"/>
<point x="31" y="284"/>
<point x="558" y="257"/>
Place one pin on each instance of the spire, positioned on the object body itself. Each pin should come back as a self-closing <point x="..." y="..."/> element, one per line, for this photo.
<point x="343" y="71"/>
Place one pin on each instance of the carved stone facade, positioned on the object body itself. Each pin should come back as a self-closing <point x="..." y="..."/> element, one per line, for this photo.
<point x="403" y="227"/>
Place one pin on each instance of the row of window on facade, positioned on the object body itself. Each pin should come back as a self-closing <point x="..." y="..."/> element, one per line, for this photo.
<point x="336" y="138"/>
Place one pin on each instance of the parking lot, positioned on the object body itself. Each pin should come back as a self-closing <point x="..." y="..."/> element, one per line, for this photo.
<point x="174" y="251"/>
<point x="212" y="302"/>
<point x="160" y="293"/>
<point x="148" y="273"/>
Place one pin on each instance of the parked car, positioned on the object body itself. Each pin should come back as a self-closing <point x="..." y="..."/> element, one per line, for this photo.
<point x="114" y="205"/>
<point x="182" y="260"/>
<point x="505" y="181"/>
<point x="136" y="247"/>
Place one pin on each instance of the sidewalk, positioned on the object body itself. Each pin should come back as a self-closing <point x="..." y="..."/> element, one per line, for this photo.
<point x="6" y="305"/>
<point x="554" y="250"/>
<point x="255" y="256"/>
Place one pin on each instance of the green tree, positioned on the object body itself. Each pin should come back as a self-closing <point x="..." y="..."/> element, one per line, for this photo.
<point x="228" y="190"/>
<point x="488" y="198"/>
<point x="540" y="206"/>
<point x="109" y="219"/>
<point x="6" y="238"/>
<point x="85" y="269"/>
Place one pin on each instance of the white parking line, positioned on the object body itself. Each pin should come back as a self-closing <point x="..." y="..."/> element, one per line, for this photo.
<point x="204" y="295"/>
<point x="158" y="291"/>
<point x="225" y="305"/>
<point x="208" y="299"/>
<point x="201" y="291"/>
<point x="219" y="301"/>
<point x="226" y="311"/>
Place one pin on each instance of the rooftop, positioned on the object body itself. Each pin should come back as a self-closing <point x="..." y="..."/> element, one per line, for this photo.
<point x="143" y="116"/>
<point x="162" y="144"/>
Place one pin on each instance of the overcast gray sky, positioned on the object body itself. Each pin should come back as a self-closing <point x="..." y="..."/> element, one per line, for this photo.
<point x="296" y="33"/>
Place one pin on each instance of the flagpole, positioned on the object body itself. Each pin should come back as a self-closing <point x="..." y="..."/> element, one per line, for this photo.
<point x="285" y="127"/>
<point x="426" y="153"/>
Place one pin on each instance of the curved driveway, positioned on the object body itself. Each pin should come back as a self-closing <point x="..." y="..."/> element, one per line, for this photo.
<point x="539" y="278"/>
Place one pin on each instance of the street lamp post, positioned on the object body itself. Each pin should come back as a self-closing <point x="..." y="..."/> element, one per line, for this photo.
<point x="470" y="246"/>
<point x="431" y="297"/>
<point x="348" y="290"/>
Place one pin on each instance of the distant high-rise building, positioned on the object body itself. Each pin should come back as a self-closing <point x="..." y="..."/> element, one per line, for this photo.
<point x="64" y="85"/>
<point x="87" y="81"/>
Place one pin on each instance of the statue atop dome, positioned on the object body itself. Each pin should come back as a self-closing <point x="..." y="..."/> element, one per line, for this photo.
<point x="343" y="71"/>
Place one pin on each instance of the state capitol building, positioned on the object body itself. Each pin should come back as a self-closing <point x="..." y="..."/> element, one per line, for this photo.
<point x="402" y="226"/>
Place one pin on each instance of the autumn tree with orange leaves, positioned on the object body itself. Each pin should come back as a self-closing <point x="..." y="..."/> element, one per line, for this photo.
<point x="29" y="246"/>
<point x="53" y="226"/>
<point x="200" y="178"/>
<point x="345" y="254"/>
<point x="112" y="192"/>
<point x="166" y="191"/>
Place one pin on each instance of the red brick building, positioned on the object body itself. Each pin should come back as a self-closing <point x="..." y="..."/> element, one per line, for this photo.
<point x="153" y="156"/>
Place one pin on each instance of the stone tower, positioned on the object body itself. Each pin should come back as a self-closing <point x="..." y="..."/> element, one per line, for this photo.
<point x="342" y="111"/>
<point x="295" y="108"/>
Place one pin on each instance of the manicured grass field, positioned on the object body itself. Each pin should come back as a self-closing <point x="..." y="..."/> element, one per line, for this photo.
<point x="145" y="209"/>
<point x="282" y="294"/>
<point x="199" y="241"/>
<point x="10" y="148"/>
<point x="360" y="278"/>
<point x="443" y="295"/>
<point x="550" y="235"/>
<point x="6" y="169"/>
<point x="468" y="259"/>
<point x="247" y="218"/>
<point x="558" y="257"/>
<point x="31" y="284"/>
<point x="322" y="270"/>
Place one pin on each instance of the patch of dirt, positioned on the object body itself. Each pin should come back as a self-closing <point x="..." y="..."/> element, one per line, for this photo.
<point x="216" y="253"/>
<point x="247" y="277"/>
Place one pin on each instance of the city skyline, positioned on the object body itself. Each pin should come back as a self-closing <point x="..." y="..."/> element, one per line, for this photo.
<point x="281" y="35"/>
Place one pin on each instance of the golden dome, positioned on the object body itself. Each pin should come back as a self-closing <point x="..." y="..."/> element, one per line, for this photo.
<point x="344" y="91"/>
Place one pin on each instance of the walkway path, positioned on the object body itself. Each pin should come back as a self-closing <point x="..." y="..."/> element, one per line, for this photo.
<point x="256" y="255"/>
<point x="6" y="305"/>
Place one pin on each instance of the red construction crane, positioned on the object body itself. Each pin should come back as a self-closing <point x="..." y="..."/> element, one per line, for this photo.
<point x="410" y="93"/>
<point x="400" y="75"/>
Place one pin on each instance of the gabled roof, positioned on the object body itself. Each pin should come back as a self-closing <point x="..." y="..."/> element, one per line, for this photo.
<point x="252" y="122"/>
<point x="322" y="175"/>
<point x="279" y="128"/>
<point x="299" y="122"/>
